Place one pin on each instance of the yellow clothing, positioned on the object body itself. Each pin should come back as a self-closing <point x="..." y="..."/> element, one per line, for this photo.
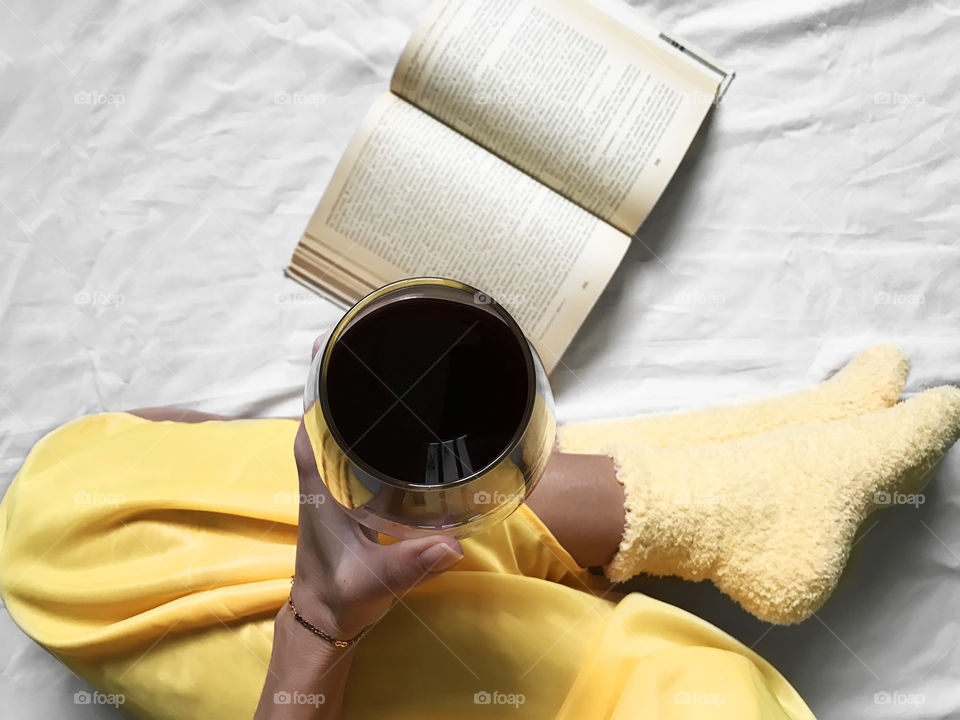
<point x="151" y="558"/>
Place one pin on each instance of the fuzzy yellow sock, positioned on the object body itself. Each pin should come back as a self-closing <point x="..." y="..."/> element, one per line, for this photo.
<point x="871" y="381"/>
<point x="770" y="518"/>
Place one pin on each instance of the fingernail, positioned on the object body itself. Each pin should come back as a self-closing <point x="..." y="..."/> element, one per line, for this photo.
<point x="439" y="557"/>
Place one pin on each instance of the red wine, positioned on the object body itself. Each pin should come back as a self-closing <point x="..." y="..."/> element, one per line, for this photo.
<point x="425" y="390"/>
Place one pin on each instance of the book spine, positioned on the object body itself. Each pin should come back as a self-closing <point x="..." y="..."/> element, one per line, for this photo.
<point x="698" y="56"/>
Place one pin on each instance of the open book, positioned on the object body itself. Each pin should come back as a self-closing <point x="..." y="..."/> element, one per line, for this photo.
<point x="521" y="144"/>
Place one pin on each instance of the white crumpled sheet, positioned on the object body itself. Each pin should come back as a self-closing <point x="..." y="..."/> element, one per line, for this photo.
<point x="159" y="161"/>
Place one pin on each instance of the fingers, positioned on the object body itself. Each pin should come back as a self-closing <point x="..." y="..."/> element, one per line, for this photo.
<point x="405" y="564"/>
<point x="439" y="557"/>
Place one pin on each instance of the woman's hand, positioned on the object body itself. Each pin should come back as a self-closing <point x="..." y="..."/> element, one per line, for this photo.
<point x="345" y="579"/>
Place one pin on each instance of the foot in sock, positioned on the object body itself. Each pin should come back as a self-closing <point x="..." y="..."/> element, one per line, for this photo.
<point x="871" y="381"/>
<point x="770" y="518"/>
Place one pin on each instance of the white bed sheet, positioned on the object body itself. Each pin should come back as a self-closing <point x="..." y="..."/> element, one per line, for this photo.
<point x="159" y="161"/>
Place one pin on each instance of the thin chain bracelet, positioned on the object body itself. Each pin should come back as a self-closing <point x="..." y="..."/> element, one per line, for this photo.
<point x="317" y="631"/>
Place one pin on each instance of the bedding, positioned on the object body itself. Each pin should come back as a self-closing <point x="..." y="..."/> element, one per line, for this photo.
<point x="160" y="160"/>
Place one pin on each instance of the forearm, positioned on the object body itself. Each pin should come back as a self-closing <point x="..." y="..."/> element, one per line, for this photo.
<point x="306" y="676"/>
<point x="159" y="414"/>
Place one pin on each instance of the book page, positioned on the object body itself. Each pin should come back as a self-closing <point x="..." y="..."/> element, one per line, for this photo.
<point x="411" y="197"/>
<point x="596" y="110"/>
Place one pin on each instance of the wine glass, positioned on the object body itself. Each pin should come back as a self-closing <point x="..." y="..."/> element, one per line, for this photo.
<point x="454" y="477"/>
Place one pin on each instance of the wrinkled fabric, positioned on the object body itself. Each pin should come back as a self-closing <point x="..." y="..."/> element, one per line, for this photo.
<point x="159" y="161"/>
<point x="151" y="557"/>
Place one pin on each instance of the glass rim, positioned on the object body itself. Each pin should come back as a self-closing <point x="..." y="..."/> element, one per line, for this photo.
<point x="409" y="284"/>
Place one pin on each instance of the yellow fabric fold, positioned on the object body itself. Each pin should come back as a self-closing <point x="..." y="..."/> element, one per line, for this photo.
<point x="151" y="557"/>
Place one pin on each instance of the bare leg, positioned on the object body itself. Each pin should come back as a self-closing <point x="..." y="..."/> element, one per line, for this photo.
<point x="177" y="415"/>
<point x="581" y="501"/>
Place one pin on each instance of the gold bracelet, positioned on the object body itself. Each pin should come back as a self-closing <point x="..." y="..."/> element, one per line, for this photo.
<point x="317" y="631"/>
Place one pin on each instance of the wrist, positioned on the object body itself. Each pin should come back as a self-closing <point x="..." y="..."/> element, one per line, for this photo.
<point x="304" y="674"/>
<point x="321" y="619"/>
<point x="299" y="643"/>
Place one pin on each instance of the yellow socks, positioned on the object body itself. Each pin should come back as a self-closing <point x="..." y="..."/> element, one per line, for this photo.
<point x="871" y="381"/>
<point x="764" y="498"/>
<point x="770" y="518"/>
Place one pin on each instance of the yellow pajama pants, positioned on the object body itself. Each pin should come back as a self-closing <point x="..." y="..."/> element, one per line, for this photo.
<point x="151" y="558"/>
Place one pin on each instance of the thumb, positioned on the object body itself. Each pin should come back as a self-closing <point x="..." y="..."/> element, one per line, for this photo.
<point x="407" y="563"/>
